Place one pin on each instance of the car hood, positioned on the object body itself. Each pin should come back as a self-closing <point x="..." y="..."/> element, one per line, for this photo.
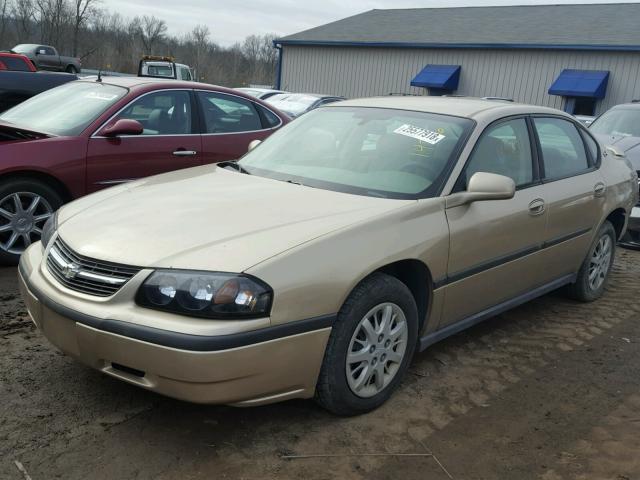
<point x="207" y="218"/>
<point x="630" y="146"/>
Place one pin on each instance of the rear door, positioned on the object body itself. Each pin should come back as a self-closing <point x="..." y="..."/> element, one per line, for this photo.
<point x="170" y="141"/>
<point x="495" y="245"/>
<point x="229" y="123"/>
<point x="573" y="189"/>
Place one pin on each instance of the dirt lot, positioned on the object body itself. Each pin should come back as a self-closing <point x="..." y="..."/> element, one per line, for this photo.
<point x="548" y="391"/>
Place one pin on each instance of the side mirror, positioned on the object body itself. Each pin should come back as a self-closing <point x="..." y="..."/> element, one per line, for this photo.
<point x="123" y="127"/>
<point x="483" y="186"/>
<point x="253" y="144"/>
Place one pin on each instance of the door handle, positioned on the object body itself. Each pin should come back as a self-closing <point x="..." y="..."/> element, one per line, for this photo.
<point x="185" y="153"/>
<point x="536" y="207"/>
<point x="599" y="189"/>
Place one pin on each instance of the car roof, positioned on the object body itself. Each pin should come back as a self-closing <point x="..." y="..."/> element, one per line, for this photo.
<point x="468" y="107"/>
<point x="635" y="104"/>
<point x="134" y="82"/>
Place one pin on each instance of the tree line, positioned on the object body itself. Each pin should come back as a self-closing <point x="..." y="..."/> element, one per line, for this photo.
<point x="107" y="40"/>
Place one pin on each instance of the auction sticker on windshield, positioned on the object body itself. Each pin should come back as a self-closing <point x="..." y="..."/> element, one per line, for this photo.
<point x="419" y="133"/>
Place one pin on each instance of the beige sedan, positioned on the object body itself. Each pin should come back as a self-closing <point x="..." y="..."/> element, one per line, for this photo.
<point x="319" y="264"/>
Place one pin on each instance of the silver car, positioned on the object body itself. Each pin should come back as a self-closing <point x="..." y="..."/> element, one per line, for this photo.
<point x="619" y="128"/>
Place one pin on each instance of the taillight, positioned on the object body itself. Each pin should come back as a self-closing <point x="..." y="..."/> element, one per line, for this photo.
<point x="2" y="66"/>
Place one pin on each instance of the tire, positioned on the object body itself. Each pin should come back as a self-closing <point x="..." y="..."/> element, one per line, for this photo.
<point x="30" y="226"/>
<point x="71" y="69"/>
<point x="334" y="391"/>
<point x="598" y="264"/>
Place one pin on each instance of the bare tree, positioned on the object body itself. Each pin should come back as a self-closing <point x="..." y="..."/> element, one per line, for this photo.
<point x="24" y="15"/>
<point x="83" y="9"/>
<point x="152" y="30"/>
<point x="4" y="17"/>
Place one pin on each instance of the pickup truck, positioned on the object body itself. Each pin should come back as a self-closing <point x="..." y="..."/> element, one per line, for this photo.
<point x="16" y="87"/>
<point x="45" y="57"/>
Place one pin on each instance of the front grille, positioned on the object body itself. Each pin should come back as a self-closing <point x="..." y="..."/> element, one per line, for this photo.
<point x="86" y="275"/>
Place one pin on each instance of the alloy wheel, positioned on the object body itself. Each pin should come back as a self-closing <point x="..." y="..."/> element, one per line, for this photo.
<point x="376" y="350"/>
<point x="22" y="216"/>
<point x="600" y="262"/>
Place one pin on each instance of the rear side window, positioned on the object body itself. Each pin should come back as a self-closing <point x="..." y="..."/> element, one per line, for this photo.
<point x="563" y="151"/>
<point x="15" y="64"/>
<point x="228" y="113"/>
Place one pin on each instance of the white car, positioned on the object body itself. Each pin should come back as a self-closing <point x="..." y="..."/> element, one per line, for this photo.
<point x="261" y="93"/>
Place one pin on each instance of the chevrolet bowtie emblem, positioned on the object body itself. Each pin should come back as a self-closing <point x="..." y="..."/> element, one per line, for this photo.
<point x="70" y="271"/>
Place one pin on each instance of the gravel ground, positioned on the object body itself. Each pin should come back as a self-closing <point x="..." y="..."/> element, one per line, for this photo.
<point x="546" y="391"/>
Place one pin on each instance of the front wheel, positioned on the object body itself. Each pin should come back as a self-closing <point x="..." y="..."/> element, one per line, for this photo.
<point x="25" y="206"/>
<point x="370" y="347"/>
<point x="594" y="272"/>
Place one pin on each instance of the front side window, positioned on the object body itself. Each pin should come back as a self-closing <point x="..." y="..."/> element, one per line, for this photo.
<point x="185" y="74"/>
<point x="503" y="149"/>
<point x="228" y="114"/>
<point x="563" y="152"/>
<point x="65" y="110"/>
<point x="161" y="113"/>
<point x="366" y="151"/>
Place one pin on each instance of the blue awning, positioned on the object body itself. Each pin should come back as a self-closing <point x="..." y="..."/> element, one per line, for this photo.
<point x="445" y="77"/>
<point x="581" y="83"/>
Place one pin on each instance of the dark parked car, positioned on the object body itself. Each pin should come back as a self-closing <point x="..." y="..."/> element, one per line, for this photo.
<point x="295" y="104"/>
<point x="87" y="135"/>
<point x="16" y="62"/>
<point x="619" y="127"/>
<point x="46" y="57"/>
<point x="16" y="87"/>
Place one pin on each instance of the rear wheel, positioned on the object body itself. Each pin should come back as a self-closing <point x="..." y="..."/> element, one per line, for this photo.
<point x="594" y="272"/>
<point x="370" y="347"/>
<point x="25" y="206"/>
<point x="71" y="69"/>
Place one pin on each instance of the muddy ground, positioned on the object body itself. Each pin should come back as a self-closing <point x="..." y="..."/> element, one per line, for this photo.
<point x="548" y="391"/>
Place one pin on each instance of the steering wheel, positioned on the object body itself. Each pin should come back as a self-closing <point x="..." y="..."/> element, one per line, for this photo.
<point x="426" y="170"/>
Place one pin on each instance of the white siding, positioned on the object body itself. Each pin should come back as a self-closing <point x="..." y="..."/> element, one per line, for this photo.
<point x="524" y="75"/>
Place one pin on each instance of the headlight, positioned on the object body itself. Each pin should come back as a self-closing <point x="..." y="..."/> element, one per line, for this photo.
<point x="50" y="227"/>
<point x="206" y="294"/>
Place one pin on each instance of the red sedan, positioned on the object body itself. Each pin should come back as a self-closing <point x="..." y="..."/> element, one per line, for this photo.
<point x="90" y="134"/>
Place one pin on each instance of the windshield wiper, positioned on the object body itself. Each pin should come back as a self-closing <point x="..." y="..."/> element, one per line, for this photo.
<point x="235" y="165"/>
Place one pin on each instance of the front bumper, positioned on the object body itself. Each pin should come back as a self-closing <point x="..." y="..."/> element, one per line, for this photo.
<point x="243" y="368"/>
<point x="632" y="236"/>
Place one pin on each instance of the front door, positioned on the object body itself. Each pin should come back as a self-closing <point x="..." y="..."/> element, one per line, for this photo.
<point x="230" y="123"/>
<point x="495" y="245"/>
<point x="168" y="142"/>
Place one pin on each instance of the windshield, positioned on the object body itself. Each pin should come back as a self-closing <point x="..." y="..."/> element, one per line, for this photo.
<point x="22" y="48"/>
<point x="293" y="104"/>
<point x="66" y="110"/>
<point x="621" y="122"/>
<point x="367" y="151"/>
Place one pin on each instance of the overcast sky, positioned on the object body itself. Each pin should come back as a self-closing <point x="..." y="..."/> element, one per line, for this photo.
<point x="232" y="20"/>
